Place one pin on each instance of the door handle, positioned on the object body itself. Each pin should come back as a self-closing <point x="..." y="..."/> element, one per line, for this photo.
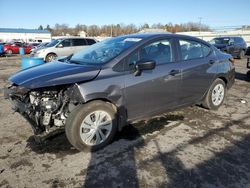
<point x="211" y="62"/>
<point x="174" y="72"/>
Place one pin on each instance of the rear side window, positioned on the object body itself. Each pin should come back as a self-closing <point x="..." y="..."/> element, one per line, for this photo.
<point x="79" y="42"/>
<point x="193" y="50"/>
<point x="90" y="41"/>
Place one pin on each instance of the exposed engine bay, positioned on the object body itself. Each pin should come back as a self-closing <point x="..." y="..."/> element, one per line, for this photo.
<point x="45" y="109"/>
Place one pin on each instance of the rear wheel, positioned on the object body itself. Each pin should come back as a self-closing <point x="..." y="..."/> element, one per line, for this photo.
<point x="92" y="125"/>
<point x="248" y="74"/>
<point x="215" y="95"/>
<point x="50" y="57"/>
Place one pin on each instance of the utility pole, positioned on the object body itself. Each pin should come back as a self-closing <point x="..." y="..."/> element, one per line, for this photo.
<point x="111" y="32"/>
<point x="200" y="18"/>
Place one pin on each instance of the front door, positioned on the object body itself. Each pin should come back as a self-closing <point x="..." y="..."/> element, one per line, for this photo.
<point x="154" y="90"/>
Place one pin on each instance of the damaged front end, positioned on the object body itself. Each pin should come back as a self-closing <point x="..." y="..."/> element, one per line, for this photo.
<point x="46" y="109"/>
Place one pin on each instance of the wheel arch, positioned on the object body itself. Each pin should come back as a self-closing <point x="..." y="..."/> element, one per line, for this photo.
<point x="120" y="109"/>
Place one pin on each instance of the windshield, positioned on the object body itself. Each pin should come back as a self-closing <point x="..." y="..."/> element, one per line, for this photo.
<point x="53" y="43"/>
<point x="104" y="51"/>
<point x="220" y="41"/>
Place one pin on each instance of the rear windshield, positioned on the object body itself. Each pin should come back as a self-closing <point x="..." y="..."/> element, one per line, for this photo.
<point x="220" y="41"/>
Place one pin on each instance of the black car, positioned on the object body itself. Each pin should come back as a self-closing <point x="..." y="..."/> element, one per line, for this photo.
<point x="96" y="92"/>
<point x="236" y="46"/>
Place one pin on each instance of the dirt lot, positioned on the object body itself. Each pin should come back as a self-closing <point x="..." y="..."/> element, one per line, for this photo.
<point x="192" y="147"/>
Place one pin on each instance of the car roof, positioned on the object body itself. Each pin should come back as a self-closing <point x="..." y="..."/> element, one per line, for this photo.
<point x="73" y="38"/>
<point x="158" y="35"/>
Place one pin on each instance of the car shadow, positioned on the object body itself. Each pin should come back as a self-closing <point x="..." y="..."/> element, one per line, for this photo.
<point x="60" y="145"/>
<point x="119" y="168"/>
<point x="228" y="168"/>
<point x="241" y="76"/>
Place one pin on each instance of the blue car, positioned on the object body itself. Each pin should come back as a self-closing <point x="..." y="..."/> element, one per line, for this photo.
<point x="1" y="48"/>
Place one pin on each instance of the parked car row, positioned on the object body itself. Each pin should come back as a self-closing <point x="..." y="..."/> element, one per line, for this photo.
<point x="97" y="91"/>
<point x="49" y="51"/>
<point x="13" y="48"/>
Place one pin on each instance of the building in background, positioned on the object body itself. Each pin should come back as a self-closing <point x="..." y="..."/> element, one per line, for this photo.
<point x="25" y="35"/>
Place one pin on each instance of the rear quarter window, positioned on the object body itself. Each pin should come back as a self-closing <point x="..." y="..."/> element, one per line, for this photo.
<point x="193" y="50"/>
<point x="90" y="41"/>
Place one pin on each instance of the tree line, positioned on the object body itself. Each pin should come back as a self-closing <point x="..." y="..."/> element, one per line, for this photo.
<point x="120" y="29"/>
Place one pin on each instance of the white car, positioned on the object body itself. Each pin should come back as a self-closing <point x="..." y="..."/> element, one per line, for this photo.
<point x="62" y="47"/>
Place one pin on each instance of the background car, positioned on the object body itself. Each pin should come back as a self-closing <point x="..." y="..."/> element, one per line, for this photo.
<point x="62" y="47"/>
<point x="1" y="49"/>
<point x="14" y="48"/>
<point x="98" y="91"/>
<point x="39" y="46"/>
<point x="236" y="46"/>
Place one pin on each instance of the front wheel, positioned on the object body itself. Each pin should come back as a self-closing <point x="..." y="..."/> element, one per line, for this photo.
<point x="50" y="57"/>
<point x="215" y="95"/>
<point x="92" y="125"/>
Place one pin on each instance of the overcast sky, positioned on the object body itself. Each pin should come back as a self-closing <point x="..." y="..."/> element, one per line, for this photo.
<point x="32" y="13"/>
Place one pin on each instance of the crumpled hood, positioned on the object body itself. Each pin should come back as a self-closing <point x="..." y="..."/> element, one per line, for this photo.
<point x="54" y="73"/>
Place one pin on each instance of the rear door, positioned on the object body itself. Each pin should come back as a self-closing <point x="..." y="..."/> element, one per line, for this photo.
<point x="197" y="63"/>
<point x="154" y="90"/>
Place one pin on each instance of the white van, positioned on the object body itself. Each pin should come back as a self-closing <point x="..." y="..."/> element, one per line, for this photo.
<point x="62" y="47"/>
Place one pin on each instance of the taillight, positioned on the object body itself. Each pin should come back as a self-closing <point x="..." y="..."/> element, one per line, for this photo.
<point x="232" y="60"/>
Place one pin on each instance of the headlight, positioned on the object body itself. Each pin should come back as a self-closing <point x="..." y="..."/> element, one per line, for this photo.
<point x="8" y="84"/>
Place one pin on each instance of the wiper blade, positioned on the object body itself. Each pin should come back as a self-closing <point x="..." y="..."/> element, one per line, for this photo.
<point x="66" y="59"/>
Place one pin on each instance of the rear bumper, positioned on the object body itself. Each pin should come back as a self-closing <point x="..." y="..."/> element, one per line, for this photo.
<point x="231" y="78"/>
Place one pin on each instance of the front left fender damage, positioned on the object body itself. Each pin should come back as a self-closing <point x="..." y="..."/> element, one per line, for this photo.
<point x="46" y="109"/>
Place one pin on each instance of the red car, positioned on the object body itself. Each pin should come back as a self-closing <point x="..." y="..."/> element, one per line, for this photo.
<point x="14" y="48"/>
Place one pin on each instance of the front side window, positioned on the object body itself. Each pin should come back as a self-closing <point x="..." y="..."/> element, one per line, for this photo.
<point x="193" y="50"/>
<point x="66" y="43"/>
<point x="53" y="43"/>
<point x="160" y="52"/>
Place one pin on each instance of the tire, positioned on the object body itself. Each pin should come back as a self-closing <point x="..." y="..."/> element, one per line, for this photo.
<point x="83" y="133"/>
<point x="50" y="57"/>
<point x="9" y="52"/>
<point x="212" y="99"/>
<point x="248" y="74"/>
<point x="242" y="54"/>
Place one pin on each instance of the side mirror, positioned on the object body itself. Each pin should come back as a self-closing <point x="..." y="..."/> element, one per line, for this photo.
<point x="59" y="46"/>
<point x="143" y="65"/>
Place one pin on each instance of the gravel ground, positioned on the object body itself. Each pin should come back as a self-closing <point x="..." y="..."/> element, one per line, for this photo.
<point x="191" y="147"/>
